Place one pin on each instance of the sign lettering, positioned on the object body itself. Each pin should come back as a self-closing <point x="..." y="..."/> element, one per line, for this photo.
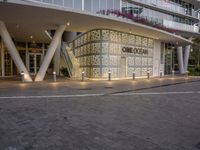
<point x="135" y="50"/>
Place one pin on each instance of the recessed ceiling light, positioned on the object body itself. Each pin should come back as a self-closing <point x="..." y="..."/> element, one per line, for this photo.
<point x="31" y="36"/>
<point x="68" y="23"/>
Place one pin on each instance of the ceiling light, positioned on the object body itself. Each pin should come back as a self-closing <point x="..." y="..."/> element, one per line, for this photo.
<point x="31" y="36"/>
<point x="68" y="23"/>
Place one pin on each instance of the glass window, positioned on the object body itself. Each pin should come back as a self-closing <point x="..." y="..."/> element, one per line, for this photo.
<point x="117" y="4"/>
<point x="68" y="3"/>
<point x="59" y="2"/>
<point x="47" y="1"/>
<point x="103" y="5"/>
<point x="78" y="4"/>
<point x="96" y="6"/>
<point x="88" y="5"/>
<point x="110" y="4"/>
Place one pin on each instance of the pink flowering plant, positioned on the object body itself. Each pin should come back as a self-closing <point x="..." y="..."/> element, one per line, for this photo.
<point x="136" y="18"/>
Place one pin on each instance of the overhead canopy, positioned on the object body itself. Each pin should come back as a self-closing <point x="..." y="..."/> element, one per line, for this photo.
<point x="32" y="19"/>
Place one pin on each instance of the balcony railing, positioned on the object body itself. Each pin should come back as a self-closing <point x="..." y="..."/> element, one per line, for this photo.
<point x="168" y="5"/>
<point x="167" y="25"/>
<point x="180" y="26"/>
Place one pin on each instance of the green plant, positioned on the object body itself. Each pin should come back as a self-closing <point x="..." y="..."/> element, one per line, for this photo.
<point x="194" y="71"/>
<point x="64" y="71"/>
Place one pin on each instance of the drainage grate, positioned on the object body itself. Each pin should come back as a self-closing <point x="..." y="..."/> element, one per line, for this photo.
<point x="109" y="87"/>
<point x="85" y="89"/>
<point x="197" y="145"/>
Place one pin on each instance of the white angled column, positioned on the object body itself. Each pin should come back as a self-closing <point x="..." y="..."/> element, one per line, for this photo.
<point x="50" y="53"/>
<point x="180" y="59"/>
<point x="186" y="57"/>
<point x="13" y="52"/>
<point x="57" y="59"/>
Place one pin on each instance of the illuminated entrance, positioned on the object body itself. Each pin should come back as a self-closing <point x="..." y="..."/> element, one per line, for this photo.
<point x="35" y="60"/>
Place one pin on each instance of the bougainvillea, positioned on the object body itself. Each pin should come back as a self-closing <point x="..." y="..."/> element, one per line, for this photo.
<point x="137" y="19"/>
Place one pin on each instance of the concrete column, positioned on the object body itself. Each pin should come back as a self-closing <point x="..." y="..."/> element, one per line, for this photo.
<point x="69" y="36"/>
<point x="50" y="52"/>
<point x="186" y="57"/>
<point x="180" y="59"/>
<point x="2" y="60"/>
<point x="57" y="59"/>
<point x="27" y="59"/>
<point x="13" y="52"/>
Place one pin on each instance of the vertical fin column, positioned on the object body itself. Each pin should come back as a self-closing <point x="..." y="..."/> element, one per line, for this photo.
<point x="13" y="51"/>
<point x="50" y="53"/>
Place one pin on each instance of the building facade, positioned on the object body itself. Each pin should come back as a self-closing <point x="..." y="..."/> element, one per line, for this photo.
<point x="96" y="37"/>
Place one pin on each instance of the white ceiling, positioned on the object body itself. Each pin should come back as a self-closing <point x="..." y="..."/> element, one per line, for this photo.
<point x="23" y="21"/>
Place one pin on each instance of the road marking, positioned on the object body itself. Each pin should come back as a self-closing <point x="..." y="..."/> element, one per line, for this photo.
<point x="93" y="95"/>
<point x="49" y="96"/>
<point x="155" y="93"/>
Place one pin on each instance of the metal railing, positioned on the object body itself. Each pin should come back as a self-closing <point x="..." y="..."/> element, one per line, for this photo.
<point x="180" y="26"/>
<point x="67" y="59"/>
<point x="168" y="5"/>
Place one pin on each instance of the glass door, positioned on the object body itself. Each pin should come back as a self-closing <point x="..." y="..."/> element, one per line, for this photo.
<point x="123" y="67"/>
<point x="168" y="61"/>
<point x="35" y="60"/>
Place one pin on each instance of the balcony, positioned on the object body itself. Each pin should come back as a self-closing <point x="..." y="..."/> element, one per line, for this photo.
<point x="180" y="26"/>
<point x="167" y="25"/>
<point x="168" y="5"/>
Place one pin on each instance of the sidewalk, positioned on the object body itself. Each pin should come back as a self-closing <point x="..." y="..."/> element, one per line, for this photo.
<point x="65" y="87"/>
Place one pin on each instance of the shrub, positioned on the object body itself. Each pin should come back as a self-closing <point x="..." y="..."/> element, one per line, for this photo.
<point x="64" y="71"/>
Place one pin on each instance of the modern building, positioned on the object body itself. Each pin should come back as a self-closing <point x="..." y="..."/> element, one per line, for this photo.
<point x="97" y="37"/>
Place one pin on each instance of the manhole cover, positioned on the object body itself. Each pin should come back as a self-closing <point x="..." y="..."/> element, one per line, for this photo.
<point x="198" y="145"/>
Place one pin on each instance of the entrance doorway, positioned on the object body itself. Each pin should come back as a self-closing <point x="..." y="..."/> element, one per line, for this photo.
<point x="123" y="67"/>
<point x="35" y="60"/>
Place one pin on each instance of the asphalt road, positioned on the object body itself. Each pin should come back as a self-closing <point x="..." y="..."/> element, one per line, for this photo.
<point x="146" y="115"/>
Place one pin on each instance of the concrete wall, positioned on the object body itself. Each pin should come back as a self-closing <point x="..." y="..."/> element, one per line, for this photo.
<point x="156" y="58"/>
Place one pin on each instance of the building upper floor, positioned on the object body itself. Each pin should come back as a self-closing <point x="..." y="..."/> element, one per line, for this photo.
<point x="189" y="8"/>
<point x="181" y="15"/>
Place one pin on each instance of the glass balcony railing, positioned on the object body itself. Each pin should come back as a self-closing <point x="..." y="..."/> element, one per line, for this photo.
<point x="77" y="4"/>
<point x="173" y="25"/>
<point x="180" y="26"/>
<point x="168" y="5"/>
